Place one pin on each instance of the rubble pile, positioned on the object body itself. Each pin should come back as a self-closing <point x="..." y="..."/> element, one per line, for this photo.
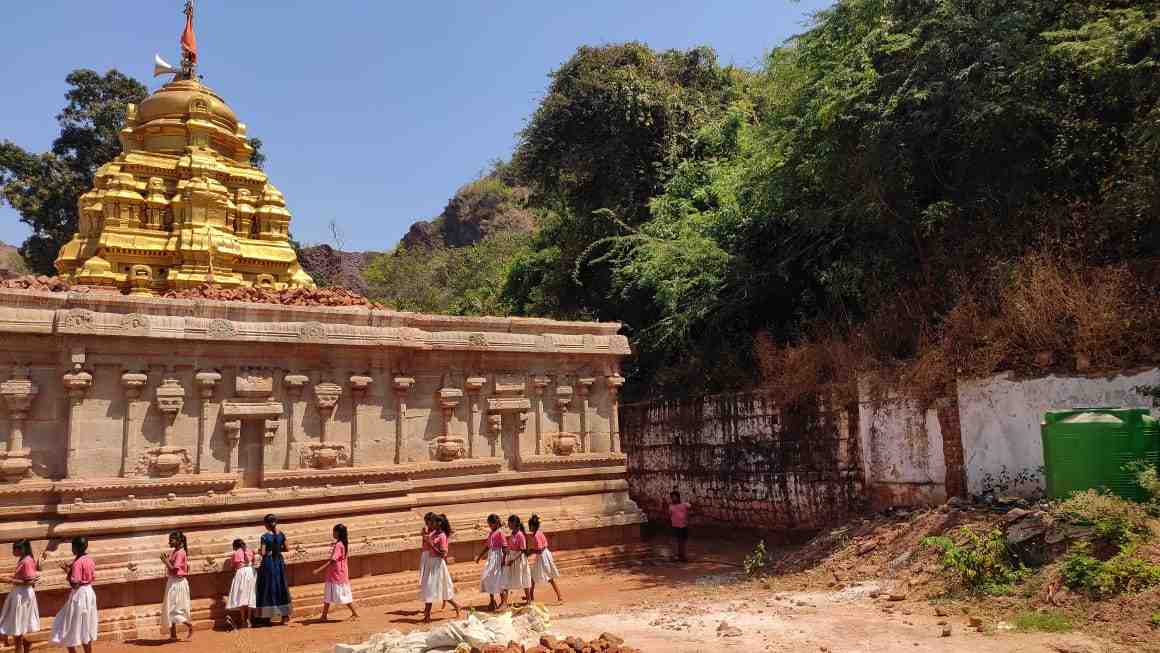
<point x="288" y="297"/>
<point x="605" y="643"/>
<point x="37" y="282"/>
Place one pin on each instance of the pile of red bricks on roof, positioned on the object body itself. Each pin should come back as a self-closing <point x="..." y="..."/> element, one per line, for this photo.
<point x="288" y="297"/>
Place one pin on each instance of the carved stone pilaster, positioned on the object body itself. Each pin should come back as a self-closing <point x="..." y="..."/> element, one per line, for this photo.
<point x="18" y="391"/>
<point x="448" y="448"/>
<point x="294" y="385"/>
<point x="473" y="385"/>
<point x="76" y="383"/>
<point x="359" y="385"/>
<point x="133" y="382"/>
<point x="232" y="430"/>
<point x="615" y="382"/>
<point x="206" y="382"/>
<point x="583" y="387"/>
<point x="539" y="383"/>
<point x="402" y="386"/>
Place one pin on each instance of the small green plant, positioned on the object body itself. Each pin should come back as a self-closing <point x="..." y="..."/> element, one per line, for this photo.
<point x="755" y="562"/>
<point x="1115" y="520"/>
<point x="1046" y="621"/>
<point x="982" y="564"/>
<point x="1149" y="480"/>
<point x="1122" y="573"/>
<point x="1155" y="620"/>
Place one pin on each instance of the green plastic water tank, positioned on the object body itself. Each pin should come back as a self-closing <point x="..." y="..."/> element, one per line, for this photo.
<point x="1089" y="447"/>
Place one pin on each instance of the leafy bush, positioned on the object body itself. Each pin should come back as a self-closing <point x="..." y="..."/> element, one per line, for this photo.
<point x="1115" y="520"/>
<point x="755" y="562"/>
<point x="1148" y="479"/>
<point x="1122" y="573"/>
<point x="1046" y="621"/>
<point x="982" y="564"/>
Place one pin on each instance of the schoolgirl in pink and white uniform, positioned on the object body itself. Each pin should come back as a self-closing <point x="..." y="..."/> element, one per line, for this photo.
<point x="243" y="590"/>
<point x="76" y="623"/>
<point x="517" y="575"/>
<point x="337" y="586"/>
<point x="438" y="585"/>
<point x="544" y="568"/>
<point x="21" y="616"/>
<point x="176" y="607"/>
<point x="492" y="581"/>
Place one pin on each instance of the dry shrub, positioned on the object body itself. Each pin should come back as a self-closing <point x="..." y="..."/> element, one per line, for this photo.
<point x="1038" y="314"/>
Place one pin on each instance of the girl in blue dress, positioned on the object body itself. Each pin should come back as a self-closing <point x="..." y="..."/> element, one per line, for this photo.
<point x="272" y="592"/>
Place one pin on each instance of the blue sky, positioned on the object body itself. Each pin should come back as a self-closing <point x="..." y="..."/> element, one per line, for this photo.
<point x="372" y="113"/>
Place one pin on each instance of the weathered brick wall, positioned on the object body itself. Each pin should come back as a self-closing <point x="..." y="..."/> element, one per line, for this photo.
<point x="745" y="461"/>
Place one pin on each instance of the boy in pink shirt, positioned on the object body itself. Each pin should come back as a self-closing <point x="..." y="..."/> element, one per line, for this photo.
<point x="679" y="519"/>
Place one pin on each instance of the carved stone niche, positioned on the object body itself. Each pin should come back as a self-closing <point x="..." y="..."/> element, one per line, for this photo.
<point x="325" y="454"/>
<point x="18" y="393"/>
<point x="168" y="459"/>
<point x="447" y="447"/>
<point x="565" y="443"/>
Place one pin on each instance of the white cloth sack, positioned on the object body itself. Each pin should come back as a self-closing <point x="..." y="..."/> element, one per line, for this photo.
<point x="21" y="615"/>
<point x="244" y="589"/>
<point x="76" y="623"/>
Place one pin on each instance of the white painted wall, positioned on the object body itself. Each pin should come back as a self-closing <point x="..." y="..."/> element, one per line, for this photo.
<point x="902" y="445"/>
<point x="1000" y="418"/>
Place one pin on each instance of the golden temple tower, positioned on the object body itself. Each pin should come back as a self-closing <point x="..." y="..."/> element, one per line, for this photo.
<point x="182" y="205"/>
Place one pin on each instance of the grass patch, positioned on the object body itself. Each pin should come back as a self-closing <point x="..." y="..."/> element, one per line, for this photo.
<point x="1047" y="621"/>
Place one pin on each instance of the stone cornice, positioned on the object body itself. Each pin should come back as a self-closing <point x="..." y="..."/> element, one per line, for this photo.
<point x="113" y="315"/>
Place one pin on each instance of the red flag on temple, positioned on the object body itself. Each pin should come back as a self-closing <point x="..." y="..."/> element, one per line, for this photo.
<point x="188" y="40"/>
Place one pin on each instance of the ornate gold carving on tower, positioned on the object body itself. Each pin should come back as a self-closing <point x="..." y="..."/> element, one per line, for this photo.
<point x="182" y="205"/>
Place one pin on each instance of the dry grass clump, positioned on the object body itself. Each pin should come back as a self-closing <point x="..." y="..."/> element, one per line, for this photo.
<point x="1039" y="314"/>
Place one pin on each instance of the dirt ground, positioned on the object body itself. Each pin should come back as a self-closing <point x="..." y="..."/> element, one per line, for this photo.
<point x="704" y="605"/>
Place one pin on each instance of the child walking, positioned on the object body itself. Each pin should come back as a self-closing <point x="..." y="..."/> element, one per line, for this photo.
<point x="243" y="590"/>
<point x="175" y="609"/>
<point x="425" y="548"/>
<point x="544" y="569"/>
<point x="337" y="588"/>
<point x="439" y="586"/>
<point x="517" y="575"/>
<point x="492" y="581"/>
<point x="679" y="519"/>
<point x="273" y="594"/>
<point x="21" y="616"/>
<point x="76" y="623"/>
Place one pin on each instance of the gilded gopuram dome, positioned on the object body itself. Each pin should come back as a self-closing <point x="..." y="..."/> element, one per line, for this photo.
<point x="182" y="205"/>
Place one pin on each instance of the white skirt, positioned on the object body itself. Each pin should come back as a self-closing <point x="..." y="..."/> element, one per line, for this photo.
<point x="337" y="593"/>
<point x="21" y="615"/>
<point x="437" y="585"/>
<point x="76" y="623"/>
<point x="175" y="609"/>
<point x="492" y="581"/>
<point x="244" y="589"/>
<point x="517" y="575"/>
<point x="544" y="568"/>
<point x="424" y="558"/>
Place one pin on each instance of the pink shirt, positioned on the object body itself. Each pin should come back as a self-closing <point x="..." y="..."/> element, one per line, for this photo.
<point x="518" y="542"/>
<point x="242" y="558"/>
<point x="84" y="571"/>
<point x="338" y="572"/>
<point x="679" y="515"/>
<point x="540" y="540"/>
<point x="427" y="540"/>
<point x="495" y="540"/>
<point x="439" y="541"/>
<point x="179" y="563"/>
<point x="26" y="568"/>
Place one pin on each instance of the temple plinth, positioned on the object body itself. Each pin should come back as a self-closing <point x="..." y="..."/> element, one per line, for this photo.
<point x="182" y="205"/>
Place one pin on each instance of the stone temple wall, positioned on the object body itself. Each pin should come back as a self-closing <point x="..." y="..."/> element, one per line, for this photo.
<point x="127" y="417"/>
